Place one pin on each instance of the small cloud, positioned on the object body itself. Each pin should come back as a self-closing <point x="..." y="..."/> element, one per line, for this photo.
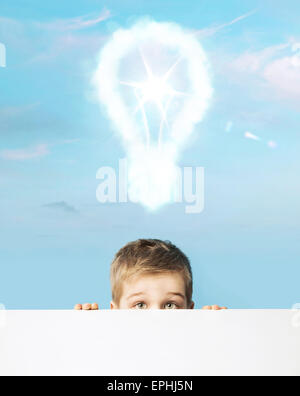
<point x="38" y="151"/>
<point x="215" y="29"/>
<point x="16" y="111"/>
<point x="272" y="144"/>
<point x="229" y="126"/>
<point x="283" y="75"/>
<point x="277" y="68"/>
<point x="296" y="47"/>
<point x="82" y="22"/>
<point x="45" y="41"/>
<point x="61" y="206"/>
<point x="249" y="135"/>
<point x="254" y="62"/>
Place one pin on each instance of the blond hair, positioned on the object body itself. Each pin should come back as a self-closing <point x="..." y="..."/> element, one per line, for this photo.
<point x="149" y="256"/>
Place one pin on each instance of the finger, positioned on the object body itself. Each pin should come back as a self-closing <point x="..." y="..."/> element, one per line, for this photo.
<point x="87" y="307"/>
<point x="207" y="308"/>
<point x="224" y="308"/>
<point x="78" y="307"/>
<point x="95" y="307"/>
<point x="216" y="308"/>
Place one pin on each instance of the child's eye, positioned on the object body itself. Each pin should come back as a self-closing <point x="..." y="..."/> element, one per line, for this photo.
<point x="140" y="306"/>
<point x="170" y="306"/>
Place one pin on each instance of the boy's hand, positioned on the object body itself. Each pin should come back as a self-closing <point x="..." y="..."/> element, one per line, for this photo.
<point x="213" y="308"/>
<point x="86" y="307"/>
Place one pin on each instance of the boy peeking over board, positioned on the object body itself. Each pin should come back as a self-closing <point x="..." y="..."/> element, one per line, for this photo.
<point x="150" y="274"/>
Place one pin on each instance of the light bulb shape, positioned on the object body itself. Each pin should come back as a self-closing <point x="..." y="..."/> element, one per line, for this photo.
<point x="152" y="167"/>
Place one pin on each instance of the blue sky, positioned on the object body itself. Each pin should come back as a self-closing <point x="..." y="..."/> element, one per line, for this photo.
<point x="57" y="241"/>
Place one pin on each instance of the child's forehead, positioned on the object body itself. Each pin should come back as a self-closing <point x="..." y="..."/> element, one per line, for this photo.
<point x="159" y="279"/>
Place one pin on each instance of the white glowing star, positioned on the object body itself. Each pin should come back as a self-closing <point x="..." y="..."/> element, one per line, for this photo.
<point x="155" y="90"/>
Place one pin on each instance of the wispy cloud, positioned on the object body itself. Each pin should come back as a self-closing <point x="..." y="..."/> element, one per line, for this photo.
<point x="12" y="32"/>
<point x="15" y="111"/>
<point x="81" y="22"/>
<point x="251" y="136"/>
<point x="215" y="29"/>
<point x="254" y="61"/>
<point x="42" y="41"/>
<point x="38" y="151"/>
<point x="276" y="68"/>
<point x="61" y="206"/>
<point x="34" y="120"/>
<point x="283" y="75"/>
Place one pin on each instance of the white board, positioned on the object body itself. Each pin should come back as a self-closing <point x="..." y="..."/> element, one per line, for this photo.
<point x="150" y="343"/>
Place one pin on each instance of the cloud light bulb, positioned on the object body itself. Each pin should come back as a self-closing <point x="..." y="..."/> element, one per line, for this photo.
<point x="152" y="162"/>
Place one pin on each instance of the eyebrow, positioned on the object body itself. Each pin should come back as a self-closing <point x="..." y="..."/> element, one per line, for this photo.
<point x="135" y="295"/>
<point x="176" y="294"/>
<point x="142" y="294"/>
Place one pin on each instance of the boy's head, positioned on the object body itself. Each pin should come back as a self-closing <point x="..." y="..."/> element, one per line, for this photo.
<point x="151" y="274"/>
